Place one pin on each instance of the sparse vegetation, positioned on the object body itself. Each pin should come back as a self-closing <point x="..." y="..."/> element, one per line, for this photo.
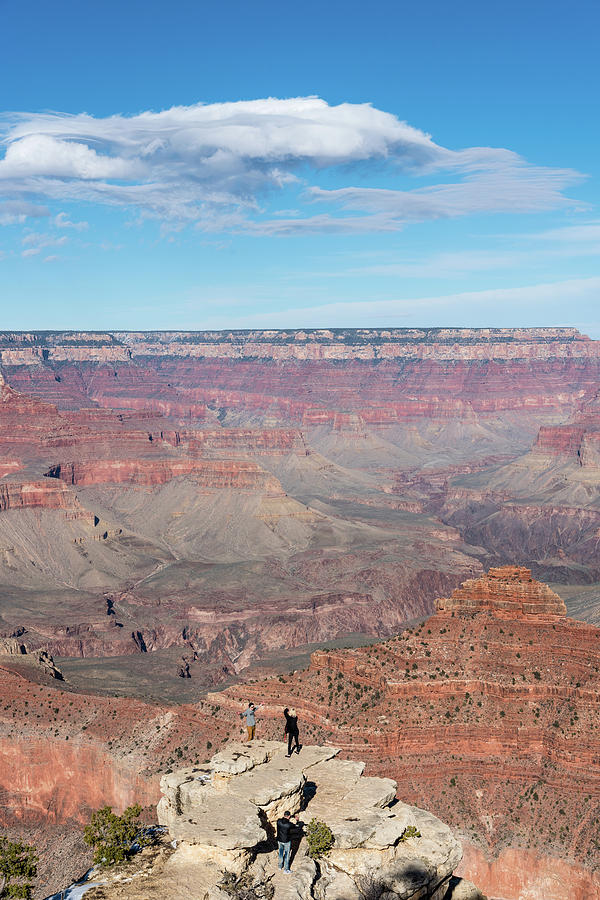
<point x="319" y="838"/>
<point x="410" y="832"/>
<point x="116" y="838"/>
<point x="18" y="866"/>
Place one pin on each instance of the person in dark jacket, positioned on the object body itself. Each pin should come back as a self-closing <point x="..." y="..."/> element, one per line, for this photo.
<point x="291" y="729"/>
<point x="286" y="830"/>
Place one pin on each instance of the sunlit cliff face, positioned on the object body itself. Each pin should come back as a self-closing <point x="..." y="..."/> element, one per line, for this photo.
<point x="527" y="875"/>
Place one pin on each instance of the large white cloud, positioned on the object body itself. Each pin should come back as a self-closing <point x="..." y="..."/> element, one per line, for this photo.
<point x="215" y="164"/>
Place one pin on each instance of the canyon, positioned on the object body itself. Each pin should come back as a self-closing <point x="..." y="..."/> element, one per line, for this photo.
<point x="225" y="504"/>
<point x="484" y="714"/>
<point x="230" y="493"/>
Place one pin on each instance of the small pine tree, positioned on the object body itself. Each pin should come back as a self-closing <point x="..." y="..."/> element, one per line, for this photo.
<point x="18" y="865"/>
<point x="112" y="836"/>
<point x="319" y="838"/>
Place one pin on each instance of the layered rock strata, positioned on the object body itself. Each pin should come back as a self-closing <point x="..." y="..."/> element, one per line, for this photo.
<point x="115" y="504"/>
<point x="188" y="374"/>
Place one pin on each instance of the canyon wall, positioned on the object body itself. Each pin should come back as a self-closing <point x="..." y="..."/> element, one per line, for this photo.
<point x="227" y="497"/>
<point x="64" y="754"/>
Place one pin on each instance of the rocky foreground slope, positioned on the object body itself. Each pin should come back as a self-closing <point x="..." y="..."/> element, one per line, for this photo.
<point x="222" y="818"/>
<point x="485" y="714"/>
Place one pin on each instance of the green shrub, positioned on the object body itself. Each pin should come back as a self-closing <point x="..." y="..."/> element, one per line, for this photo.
<point x="319" y="838"/>
<point x="18" y="865"/>
<point x="112" y="836"/>
<point x="410" y="832"/>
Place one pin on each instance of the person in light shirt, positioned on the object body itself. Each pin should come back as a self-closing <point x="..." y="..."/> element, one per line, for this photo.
<point x="250" y="715"/>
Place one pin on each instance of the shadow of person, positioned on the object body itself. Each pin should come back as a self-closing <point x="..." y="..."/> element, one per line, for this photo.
<point x="296" y="840"/>
<point x="309" y="789"/>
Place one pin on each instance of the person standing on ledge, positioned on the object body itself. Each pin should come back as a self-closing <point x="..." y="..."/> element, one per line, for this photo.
<point x="249" y="715"/>
<point x="286" y="830"/>
<point x="291" y="729"/>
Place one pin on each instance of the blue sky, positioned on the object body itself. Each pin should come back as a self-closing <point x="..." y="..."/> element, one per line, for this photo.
<point x="178" y="165"/>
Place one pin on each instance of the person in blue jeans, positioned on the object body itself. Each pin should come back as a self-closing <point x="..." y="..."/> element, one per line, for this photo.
<point x="286" y="830"/>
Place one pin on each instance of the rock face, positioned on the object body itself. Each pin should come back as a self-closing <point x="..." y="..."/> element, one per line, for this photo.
<point x="64" y="754"/>
<point x="525" y="874"/>
<point x="213" y="474"/>
<point x="506" y="591"/>
<point x="485" y="714"/>
<point x="228" y="810"/>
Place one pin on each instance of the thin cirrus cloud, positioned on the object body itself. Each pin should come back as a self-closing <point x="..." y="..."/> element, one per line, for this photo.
<point x="544" y="247"/>
<point x="35" y="242"/>
<point x="62" y="221"/>
<point x="475" y="306"/>
<point x="217" y="165"/>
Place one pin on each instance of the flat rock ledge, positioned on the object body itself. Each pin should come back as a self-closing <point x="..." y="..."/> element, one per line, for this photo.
<point x="221" y="817"/>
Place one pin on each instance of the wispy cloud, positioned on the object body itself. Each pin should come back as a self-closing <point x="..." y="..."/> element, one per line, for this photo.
<point x="17" y="211"/>
<point x="62" y="221"/>
<point x="216" y="165"/>
<point x="35" y="242"/>
<point x="477" y="308"/>
<point x="582" y="233"/>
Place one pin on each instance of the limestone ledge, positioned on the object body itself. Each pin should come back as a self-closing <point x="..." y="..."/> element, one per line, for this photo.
<point x="222" y="817"/>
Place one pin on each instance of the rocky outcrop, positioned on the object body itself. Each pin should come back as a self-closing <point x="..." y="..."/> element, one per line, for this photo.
<point x="254" y="442"/>
<point x="506" y="591"/>
<point x="225" y="812"/>
<point x="12" y="646"/>
<point x="41" y="495"/>
<point x="560" y="440"/>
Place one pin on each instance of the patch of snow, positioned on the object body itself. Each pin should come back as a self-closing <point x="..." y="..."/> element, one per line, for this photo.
<point x="77" y="890"/>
